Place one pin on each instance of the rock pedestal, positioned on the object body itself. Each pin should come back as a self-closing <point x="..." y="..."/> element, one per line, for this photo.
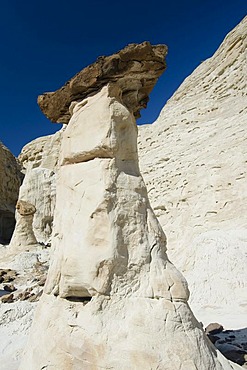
<point x="23" y="235"/>
<point x="112" y="299"/>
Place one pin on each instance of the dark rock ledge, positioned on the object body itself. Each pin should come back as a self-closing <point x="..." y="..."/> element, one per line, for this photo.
<point x="136" y="69"/>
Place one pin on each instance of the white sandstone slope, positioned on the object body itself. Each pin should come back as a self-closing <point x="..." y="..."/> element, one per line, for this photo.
<point x="112" y="298"/>
<point x="194" y="163"/>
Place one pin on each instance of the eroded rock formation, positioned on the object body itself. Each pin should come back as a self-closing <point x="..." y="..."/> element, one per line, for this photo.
<point x="39" y="159"/>
<point x="23" y="235"/>
<point x="10" y="181"/>
<point x="112" y="298"/>
<point x="194" y="163"/>
<point x="135" y="69"/>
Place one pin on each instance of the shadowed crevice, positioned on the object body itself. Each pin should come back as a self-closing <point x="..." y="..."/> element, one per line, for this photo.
<point x="84" y="300"/>
<point x="7" y="226"/>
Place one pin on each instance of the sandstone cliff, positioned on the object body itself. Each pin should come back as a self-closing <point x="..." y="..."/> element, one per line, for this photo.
<point x="10" y="181"/>
<point x="194" y="163"/>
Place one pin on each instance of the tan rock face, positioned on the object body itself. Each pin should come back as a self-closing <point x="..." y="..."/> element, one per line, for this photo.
<point x="112" y="298"/>
<point x="10" y="181"/>
<point x="24" y="208"/>
<point x="194" y="163"/>
<point x="135" y="69"/>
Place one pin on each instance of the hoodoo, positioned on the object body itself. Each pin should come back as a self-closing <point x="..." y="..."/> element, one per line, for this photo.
<point x="112" y="299"/>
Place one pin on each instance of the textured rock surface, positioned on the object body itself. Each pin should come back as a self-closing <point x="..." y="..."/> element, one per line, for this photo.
<point x="10" y="181"/>
<point x="194" y="163"/>
<point x="30" y="259"/>
<point x="23" y="235"/>
<point x="40" y="160"/>
<point x="112" y="298"/>
<point x="135" y="69"/>
<point x="26" y="271"/>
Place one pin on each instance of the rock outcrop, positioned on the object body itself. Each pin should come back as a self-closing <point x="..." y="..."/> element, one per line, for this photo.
<point x="135" y="69"/>
<point x="39" y="159"/>
<point x="10" y="181"/>
<point x="112" y="298"/>
<point x="28" y="252"/>
<point x="194" y="163"/>
<point x="23" y="235"/>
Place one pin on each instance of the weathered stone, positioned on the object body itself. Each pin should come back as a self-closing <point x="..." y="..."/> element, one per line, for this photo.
<point x="135" y="69"/>
<point x="42" y="281"/>
<point x="194" y="163"/>
<point x="39" y="159"/>
<point x="35" y="207"/>
<point x="10" y="181"/>
<point x="7" y="275"/>
<point x="25" y="208"/>
<point x="9" y="288"/>
<point x="7" y="298"/>
<point x="110" y="286"/>
<point x="214" y="328"/>
<point x="35" y="297"/>
<point x="25" y="294"/>
<point x="23" y="235"/>
<point x="4" y="271"/>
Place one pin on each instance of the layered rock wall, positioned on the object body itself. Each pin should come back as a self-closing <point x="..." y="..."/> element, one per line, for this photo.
<point x="194" y="163"/>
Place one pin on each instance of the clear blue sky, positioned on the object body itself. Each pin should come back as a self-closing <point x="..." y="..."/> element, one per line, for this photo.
<point x="44" y="43"/>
